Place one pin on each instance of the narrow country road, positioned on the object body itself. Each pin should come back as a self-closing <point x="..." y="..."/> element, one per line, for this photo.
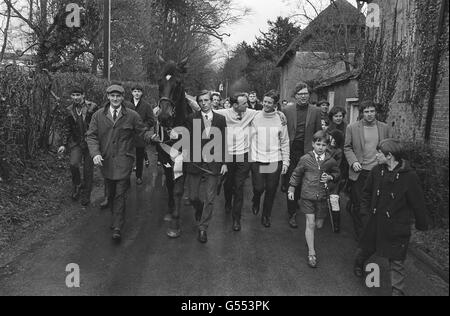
<point x="255" y="261"/>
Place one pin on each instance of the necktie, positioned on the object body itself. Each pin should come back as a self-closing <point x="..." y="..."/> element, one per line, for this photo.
<point x="206" y="117"/>
<point x="115" y="115"/>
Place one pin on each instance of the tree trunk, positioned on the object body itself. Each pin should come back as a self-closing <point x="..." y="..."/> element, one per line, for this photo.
<point x="5" y="37"/>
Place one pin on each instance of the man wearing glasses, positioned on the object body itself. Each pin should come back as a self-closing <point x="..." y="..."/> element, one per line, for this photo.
<point x="303" y="121"/>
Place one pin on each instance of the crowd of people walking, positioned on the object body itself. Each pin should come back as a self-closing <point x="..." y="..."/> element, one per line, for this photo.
<point x="310" y="150"/>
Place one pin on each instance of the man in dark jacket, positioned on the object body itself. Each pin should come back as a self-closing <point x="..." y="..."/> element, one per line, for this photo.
<point x="205" y="126"/>
<point x="391" y="195"/>
<point x="303" y="121"/>
<point x="111" y="141"/>
<point x="146" y="112"/>
<point x="253" y="102"/>
<point x="360" y="149"/>
<point x="76" y="124"/>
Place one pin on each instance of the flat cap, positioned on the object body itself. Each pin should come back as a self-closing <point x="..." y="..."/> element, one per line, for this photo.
<point x="115" y="88"/>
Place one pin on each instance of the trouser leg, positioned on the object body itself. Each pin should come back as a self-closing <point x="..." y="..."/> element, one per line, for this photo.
<point x="359" y="219"/>
<point x="297" y="151"/>
<point x="120" y="189"/>
<point x="170" y="183"/>
<point x="271" y="185"/>
<point x="228" y="186"/>
<point x="88" y="174"/>
<point x="242" y="171"/>
<point x="397" y="273"/>
<point x="210" y="195"/>
<point x="258" y="183"/>
<point x="118" y="193"/>
<point x="76" y="157"/>
<point x="140" y="154"/>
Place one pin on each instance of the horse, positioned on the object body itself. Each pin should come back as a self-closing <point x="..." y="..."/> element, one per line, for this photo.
<point x="173" y="111"/>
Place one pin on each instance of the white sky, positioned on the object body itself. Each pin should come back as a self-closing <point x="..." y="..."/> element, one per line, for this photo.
<point x="262" y="11"/>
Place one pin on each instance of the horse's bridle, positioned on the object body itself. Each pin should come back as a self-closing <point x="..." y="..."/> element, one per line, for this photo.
<point x="159" y="127"/>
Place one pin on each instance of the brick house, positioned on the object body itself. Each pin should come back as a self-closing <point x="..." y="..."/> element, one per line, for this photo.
<point x="342" y="91"/>
<point x="337" y="29"/>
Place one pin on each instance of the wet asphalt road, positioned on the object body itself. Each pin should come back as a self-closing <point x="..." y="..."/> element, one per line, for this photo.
<point x="255" y="261"/>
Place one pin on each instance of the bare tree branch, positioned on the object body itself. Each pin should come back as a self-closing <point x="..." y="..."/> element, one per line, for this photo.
<point x="5" y="34"/>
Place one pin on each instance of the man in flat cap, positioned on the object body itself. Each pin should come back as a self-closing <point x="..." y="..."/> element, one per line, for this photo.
<point x="111" y="141"/>
<point x="76" y="123"/>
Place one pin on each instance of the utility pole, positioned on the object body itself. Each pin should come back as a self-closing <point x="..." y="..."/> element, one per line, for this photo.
<point x="107" y="39"/>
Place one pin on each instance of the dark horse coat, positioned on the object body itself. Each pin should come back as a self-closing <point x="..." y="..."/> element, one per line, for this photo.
<point x="390" y="197"/>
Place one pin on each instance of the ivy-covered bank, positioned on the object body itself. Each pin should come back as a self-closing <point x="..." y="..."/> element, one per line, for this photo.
<point x="405" y="70"/>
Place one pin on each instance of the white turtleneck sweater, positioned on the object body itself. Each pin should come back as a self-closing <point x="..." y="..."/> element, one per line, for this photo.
<point x="269" y="139"/>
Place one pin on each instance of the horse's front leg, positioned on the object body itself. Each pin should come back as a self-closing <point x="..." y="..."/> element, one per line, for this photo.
<point x="174" y="230"/>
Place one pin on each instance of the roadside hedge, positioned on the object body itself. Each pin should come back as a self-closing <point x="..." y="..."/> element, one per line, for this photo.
<point x="432" y="170"/>
<point x="32" y="109"/>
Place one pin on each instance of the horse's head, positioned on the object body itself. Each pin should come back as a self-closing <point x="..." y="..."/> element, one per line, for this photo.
<point x="171" y="93"/>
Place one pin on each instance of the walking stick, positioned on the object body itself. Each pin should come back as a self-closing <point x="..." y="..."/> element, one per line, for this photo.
<point x="330" y="210"/>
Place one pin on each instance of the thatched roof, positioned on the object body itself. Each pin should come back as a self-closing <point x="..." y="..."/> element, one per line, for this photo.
<point x="340" y="12"/>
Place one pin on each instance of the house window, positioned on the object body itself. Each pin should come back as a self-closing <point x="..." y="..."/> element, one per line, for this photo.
<point x="352" y="108"/>
<point x="331" y="95"/>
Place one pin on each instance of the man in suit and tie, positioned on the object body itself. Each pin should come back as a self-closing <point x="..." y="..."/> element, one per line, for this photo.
<point x="206" y="164"/>
<point x="111" y="141"/>
<point x="303" y="121"/>
<point x="360" y="149"/>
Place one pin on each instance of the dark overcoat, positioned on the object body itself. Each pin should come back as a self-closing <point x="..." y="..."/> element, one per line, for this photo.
<point x="391" y="197"/>
<point x="115" y="142"/>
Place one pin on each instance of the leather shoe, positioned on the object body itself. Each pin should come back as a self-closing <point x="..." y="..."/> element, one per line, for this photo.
<point x="265" y="221"/>
<point x="236" y="225"/>
<point x="104" y="204"/>
<point x="293" y="222"/>
<point x="116" y="236"/>
<point x="202" y="236"/>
